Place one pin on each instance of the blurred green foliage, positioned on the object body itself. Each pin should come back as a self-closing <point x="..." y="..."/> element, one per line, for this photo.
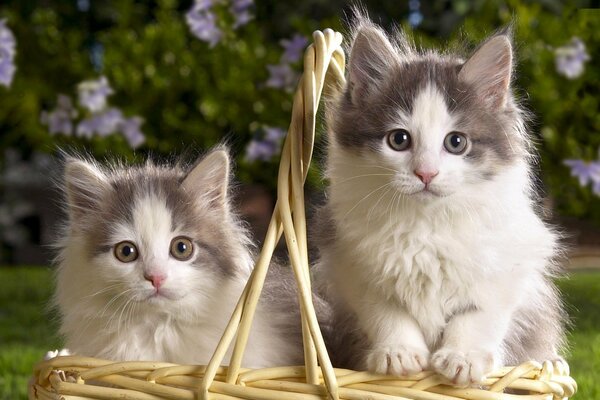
<point x="565" y="118"/>
<point x="192" y="96"/>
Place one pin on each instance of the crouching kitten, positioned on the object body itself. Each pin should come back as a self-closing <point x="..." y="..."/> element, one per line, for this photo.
<point x="434" y="254"/>
<point x="153" y="261"/>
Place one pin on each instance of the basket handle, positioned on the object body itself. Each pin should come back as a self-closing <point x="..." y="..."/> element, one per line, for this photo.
<point x="324" y="63"/>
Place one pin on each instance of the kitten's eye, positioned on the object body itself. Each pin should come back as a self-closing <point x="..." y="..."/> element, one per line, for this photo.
<point x="399" y="139"/>
<point x="455" y="143"/>
<point x="182" y="248"/>
<point x="126" y="252"/>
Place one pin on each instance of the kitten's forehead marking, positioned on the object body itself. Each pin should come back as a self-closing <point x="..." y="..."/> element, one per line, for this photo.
<point x="430" y="118"/>
<point x="152" y="221"/>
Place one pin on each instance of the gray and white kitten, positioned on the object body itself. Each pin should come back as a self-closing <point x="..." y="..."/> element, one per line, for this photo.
<point x="434" y="254"/>
<point x="153" y="261"/>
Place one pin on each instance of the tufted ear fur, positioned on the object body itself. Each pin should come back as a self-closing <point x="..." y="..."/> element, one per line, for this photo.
<point x="85" y="185"/>
<point x="489" y="70"/>
<point x="209" y="178"/>
<point x="371" y="57"/>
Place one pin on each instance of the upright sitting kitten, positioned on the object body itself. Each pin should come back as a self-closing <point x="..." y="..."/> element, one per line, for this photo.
<point x="153" y="262"/>
<point x="434" y="254"/>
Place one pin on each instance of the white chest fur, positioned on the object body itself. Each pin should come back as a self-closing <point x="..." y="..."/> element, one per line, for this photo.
<point x="425" y="268"/>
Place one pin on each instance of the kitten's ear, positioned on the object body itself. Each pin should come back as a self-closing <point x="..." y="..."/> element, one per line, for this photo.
<point x="209" y="178"/>
<point x="489" y="70"/>
<point x="371" y="57"/>
<point x="85" y="185"/>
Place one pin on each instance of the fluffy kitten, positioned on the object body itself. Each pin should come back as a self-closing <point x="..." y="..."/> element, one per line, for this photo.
<point x="434" y="253"/>
<point x="153" y="261"/>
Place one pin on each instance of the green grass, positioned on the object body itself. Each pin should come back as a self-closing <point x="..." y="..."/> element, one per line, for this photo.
<point x="582" y="295"/>
<point x="27" y="328"/>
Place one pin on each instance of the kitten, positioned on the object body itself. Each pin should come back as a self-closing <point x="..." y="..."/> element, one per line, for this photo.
<point x="153" y="261"/>
<point x="434" y="254"/>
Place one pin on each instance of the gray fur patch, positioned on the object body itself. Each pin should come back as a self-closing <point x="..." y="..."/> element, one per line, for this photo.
<point x="537" y="331"/>
<point x="280" y="296"/>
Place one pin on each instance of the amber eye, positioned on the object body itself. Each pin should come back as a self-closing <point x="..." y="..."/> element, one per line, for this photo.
<point x="182" y="248"/>
<point x="126" y="251"/>
<point x="455" y="143"/>
<point x="399" y="139"/>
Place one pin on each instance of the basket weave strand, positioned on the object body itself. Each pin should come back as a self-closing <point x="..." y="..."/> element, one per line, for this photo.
<point x="78" y="378"/>
<point x="150" y="380"/>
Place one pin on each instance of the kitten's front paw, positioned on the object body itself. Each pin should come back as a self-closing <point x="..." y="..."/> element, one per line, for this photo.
<point x="463" y="369"/>
<point x="398" y="360"/>
<point x="56" y="353"/>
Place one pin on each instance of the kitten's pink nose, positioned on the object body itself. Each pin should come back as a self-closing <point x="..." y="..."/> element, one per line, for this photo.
<point x="156" y="279"/>
<point x="426" y="176"/>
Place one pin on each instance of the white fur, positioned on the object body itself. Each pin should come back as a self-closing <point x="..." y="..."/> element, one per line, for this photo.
<point x="406" y="261"/>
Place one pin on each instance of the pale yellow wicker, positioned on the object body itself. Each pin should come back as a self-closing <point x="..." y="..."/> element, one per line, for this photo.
<point x="74" y="377"/>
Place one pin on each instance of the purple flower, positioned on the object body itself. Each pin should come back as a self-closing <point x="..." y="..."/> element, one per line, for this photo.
<point x="60" y="120"/>
<point x="8" y="46"/>
<point x="268" y="146"/>
<point x="281" y="76"/>
<point x="130" y="128"/>
<point x="87" y="127"/>
<point x="293" y="48"/>
<point x="109" y="121"/>
<point x="93" y="94"/>
<point x="585" y="171"/>
<point x="415" y="18"/>
<point x="261" y="150"/>
<point x="102" y="124"/>
<point x="203" y="22"/>
<point x="570" y="59"/>
<point x="274" y="134"/>
<point x="112" y="121"/>
<point x="241" y="12"/>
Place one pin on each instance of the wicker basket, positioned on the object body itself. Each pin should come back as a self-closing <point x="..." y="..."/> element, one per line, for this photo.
<point x="74" y="377"/>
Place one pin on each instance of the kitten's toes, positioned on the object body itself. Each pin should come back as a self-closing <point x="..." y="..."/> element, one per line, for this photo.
<point x="463" y="369"/>
<point x="56" y="353"/>
<point x="399" y="361"/>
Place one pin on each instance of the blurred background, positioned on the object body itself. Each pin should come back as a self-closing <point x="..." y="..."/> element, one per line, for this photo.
<point x="130" y="79"/>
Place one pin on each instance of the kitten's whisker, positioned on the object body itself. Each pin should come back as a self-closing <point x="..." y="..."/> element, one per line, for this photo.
<point x="374" y="207"/>
<point x="366" y="197"/>
<point x="120" y="309"/>
<point x="119" y="325"/>
<point x="391" y="210"/>
<point x="467" y="209"/>
<point x="98" y="314"/>
<point x="357" y="177"/>
<point x="103" y="290"/>
<point x="133" y="311"/>
<point x="366" y="166"/>
<point x="93" y="318"/>
<point x="113" y="300"/>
